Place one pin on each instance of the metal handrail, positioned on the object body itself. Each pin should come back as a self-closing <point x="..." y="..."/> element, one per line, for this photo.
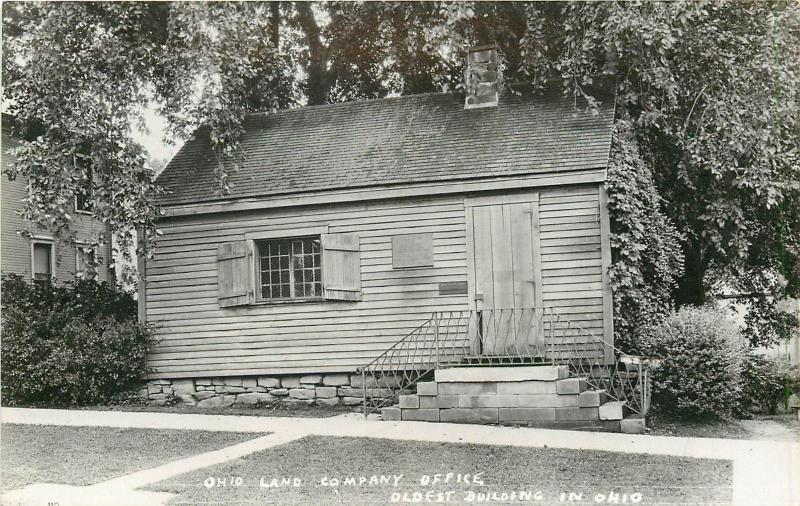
<point x="503" y="337"/>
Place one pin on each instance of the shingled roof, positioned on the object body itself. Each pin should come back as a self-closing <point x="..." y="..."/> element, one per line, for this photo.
<point x="409" y="139"/>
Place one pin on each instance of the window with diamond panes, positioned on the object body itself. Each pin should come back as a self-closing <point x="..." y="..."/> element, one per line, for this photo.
<point x="290" y="268"/>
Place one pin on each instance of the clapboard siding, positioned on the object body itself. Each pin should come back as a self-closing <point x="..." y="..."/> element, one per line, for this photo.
<point x="197" y="336"/>
<point x="572" y="272"/>
<point x="15" y="249"/>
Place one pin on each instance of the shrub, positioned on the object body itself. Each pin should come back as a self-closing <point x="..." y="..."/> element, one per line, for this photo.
<point x="763" y="385"/>
<point x="73" y="344"/>
<point x="701" y="363"/>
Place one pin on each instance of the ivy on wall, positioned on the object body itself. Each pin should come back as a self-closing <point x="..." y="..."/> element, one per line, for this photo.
<point x="645" y="244"/>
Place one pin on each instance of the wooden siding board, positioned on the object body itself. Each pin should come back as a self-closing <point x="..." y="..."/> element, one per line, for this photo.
<point x="571" y="256"/>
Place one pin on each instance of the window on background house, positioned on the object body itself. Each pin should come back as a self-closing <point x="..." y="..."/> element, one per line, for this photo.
<point x="85" y="262"/>
<point x="42" y="260"/>
<point x="290" y="268"/>
<point x="83" y="198"/>
<point x="82" y="203"/>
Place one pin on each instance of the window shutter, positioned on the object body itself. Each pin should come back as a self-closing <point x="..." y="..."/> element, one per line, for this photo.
<point x="341" y="266"/>
<point x="234" y="268"/>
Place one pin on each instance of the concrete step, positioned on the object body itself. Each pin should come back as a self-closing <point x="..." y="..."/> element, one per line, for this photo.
<point x="592" y="398"/>
<point x="479" y="374"/>
<point x="571" y="386"/>
<point x="614" y="410"/>
<point x="633" y="424"/>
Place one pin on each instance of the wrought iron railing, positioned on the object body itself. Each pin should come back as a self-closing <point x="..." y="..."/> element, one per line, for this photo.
<point x="504" y="337"/>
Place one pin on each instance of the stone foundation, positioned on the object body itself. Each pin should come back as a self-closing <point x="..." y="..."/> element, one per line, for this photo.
<point x="328" y="389"/>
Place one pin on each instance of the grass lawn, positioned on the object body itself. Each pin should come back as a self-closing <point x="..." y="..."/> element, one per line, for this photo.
<point x="88" y="455"/>
<point x="549" y="471"/>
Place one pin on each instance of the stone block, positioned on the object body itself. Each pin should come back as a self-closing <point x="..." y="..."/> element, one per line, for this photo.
<point x="328" y="402"/>
<point x="612" y="410"/>
<point x="226" y="389"/>
<point x="206" y="382"/>
<point x="427" y="388"/>
<point x="469" y="415"/>
<point x="336" y="380"/>
<point x="500" y="374"/>
<point x="576" y="413"/>
<point x="467" y="388"/>
<point x="409" y="401"/>
<point x="487" y="401"/>
<point x="430" y="402"/>
<point x="249" y="382"/>
<point x="326" y="392"/>
<point x="265" y="381"/>
<point x="234" y="382"/>
<point x="279" y="392"/>
<point x="389" y="381"/>
<point x="218" y="401"/>
<point x="205" y="394"/>
<point x="446" y="401"/>
<point x="580" y="425"/>
<point x="254" y="398"/>
<point x="257" y="389"/>
<point x="217" y="381"/>
<point x="356" y="381"/>
<point x="632" y="425"/>
<point x="302" y="393"/>
<point x="154" y="389"/>
<point x="547" y="401"/>
<point x="352" y="401"/>
<point x="157" y="397"/>
<point x="526" y="414"/>
<point x="290" y="382"/>
<point x="420" y="415"/>
<point x="201" y="388"/>
<point x="311" y="379"/>
<point x="526" y="387"/>
<point x="183" y="386"/>
<point x="390" y="414"/>
<point x="591" y="398"/>
<point x="571" y="386"/>
<point x="160" y="382"/>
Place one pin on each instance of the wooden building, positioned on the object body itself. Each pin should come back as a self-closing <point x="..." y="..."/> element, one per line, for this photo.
<point x="349" y="224"/>
<point x="43" y="256"/>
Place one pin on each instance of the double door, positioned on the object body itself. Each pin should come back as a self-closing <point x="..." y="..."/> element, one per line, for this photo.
<point x="505" y="273"/>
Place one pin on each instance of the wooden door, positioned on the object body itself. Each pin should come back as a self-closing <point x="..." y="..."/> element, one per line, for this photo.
<point x="505" y="273"/>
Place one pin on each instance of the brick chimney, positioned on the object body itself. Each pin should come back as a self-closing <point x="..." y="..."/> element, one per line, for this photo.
<point x="483" y="77"/>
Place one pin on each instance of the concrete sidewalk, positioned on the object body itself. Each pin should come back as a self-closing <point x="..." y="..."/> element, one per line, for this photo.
<point x="763" y="472"/>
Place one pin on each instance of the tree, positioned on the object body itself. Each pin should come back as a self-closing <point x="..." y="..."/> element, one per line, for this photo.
<point x="708" y="89"/>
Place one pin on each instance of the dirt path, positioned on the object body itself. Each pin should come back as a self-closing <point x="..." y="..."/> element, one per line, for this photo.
<point x="770" y="430"/>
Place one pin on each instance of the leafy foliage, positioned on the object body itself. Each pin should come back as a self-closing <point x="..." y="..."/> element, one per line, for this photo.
<point x="646" y="247"/>
<point x="700" y="375"/>
<point x="764" y="384"/>
<point x="73" y="344"/>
